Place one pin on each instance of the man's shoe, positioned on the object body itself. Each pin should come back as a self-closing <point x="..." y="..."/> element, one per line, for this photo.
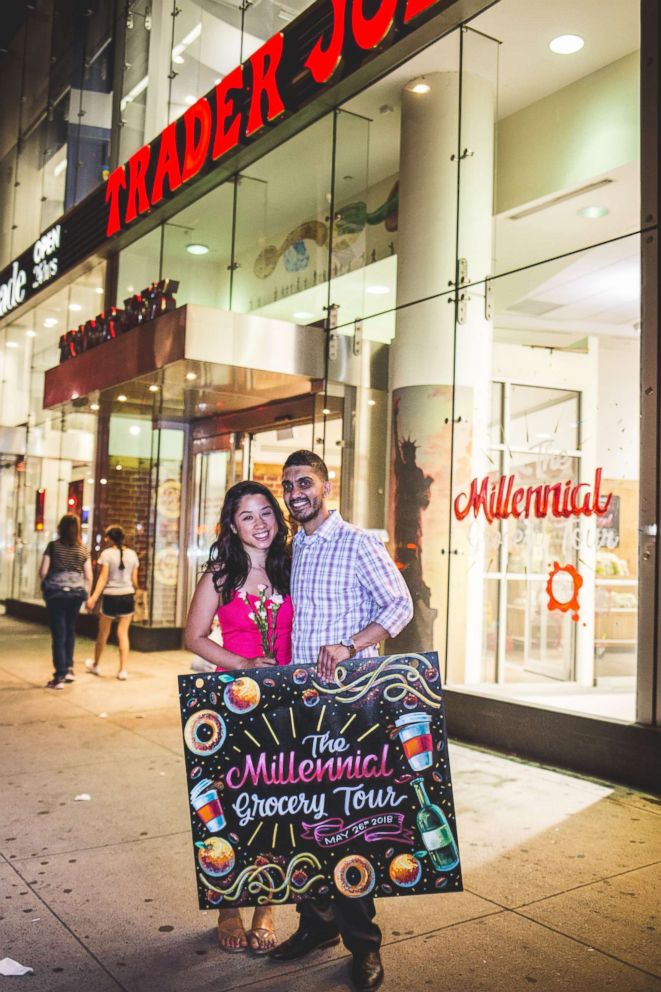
<point x="70" y="675"/>
<point x="301" y="943"/>
<point x="367" y="971"/>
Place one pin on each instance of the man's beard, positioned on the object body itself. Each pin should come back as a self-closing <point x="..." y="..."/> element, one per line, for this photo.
<point x="306" y="513"/>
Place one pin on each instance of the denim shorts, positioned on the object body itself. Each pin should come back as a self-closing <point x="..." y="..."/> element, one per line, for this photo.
<point x="117" y="606"/>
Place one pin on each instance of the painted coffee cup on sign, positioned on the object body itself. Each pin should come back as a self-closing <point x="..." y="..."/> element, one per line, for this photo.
<point x="206" y="804"/>
<point x="414" y="731"/>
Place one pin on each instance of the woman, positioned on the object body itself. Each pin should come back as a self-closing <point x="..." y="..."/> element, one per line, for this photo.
<point x="117" y="582"/>
<point x="250" y="560"/>
<point x="66" y="579"/>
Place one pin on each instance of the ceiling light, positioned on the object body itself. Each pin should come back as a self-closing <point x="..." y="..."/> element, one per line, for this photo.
<point x="197" y="249"/>
<point x="130" y="289"/>
<point x="371" y="402"/>
<point x="12" y="344"/>
<point x="553" y="201"/>
<point x="118" y="468"/>
<point x="60" y="167"/>
<point x="190" y="100"/>
<point x="99" y="290"/>
<point x="90" y="482"/>
<point x="218" y="79"/>
<point x="50" y="321"/>
<point x="326" y="411"/>
<point x="103" y="482"/>
<point x="134" y="429"/>
<point x="94" y="406"/>
<point x="153" y="388"/>
<point x="303" y="315"/>
<point x="592" y="212"/>
<point x="178" y="59"/>
<point x="121" y="398"/>
<point x="418" y="86"/>
<point x="332" y="474"/>
<point x="378" y="290"/>
<point x="566" y="44"/>
<point x="30" y="334"/>
<point x="191" y="376"/>
<point x="75" y="307"/>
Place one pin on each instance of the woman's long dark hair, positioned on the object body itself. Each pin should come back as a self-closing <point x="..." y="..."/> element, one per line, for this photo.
<point x="116" y="535"/>
<point x="228" y="562"/>
<point x="68" y="530"/>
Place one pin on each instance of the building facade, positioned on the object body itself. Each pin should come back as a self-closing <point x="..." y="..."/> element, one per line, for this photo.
<point x="418" y="236"/>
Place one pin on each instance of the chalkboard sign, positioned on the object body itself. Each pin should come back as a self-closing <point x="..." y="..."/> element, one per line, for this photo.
<point x="299" y="786"/>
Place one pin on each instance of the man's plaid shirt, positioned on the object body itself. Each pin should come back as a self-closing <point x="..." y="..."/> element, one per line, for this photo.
<point x="343" y="579"/>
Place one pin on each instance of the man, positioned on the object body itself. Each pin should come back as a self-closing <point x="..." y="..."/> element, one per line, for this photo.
<point x="348" y="596"/>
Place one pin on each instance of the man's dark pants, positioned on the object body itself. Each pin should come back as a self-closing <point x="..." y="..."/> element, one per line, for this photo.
<point x="352" y="918"/>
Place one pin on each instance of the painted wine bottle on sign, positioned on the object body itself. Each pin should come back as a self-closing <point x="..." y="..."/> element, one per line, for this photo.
<point x="435" y="831"/>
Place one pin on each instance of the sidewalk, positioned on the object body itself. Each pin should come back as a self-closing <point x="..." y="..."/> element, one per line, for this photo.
<point x="561" y="874"/>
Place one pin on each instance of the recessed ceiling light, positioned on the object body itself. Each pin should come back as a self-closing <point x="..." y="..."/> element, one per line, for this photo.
<point x="130" y="289"/>
<point x="178" y="59"/>
<point x="118" y="468"/>
<point x="197" y="249"/>
<point x="99" y="290"/>
<point x="218" y="79"/>
<point x="12" y="344"/>
<point x="75" y="307"/>
<point x="326" y="411"/>
<point x="593" y="212"/>
<point x="90" y="482"/>
<point x="378" y="290"/>
<point x="371" y="402"/>
<point x="50" y="321"/>
<point x="103" y="482"/>
<point x="418" y="86"/>
<point x="121" y="398"/>
<point x="191" y="376"/>
<point x="190" y="100"/>
<point x="566" y="44"/>
<point x="134" y="429"/>
<point x="95" y="407"/>
<point x="153" y="388"/>
<point x="303" y="315"/>
<point x="30" y="334"/>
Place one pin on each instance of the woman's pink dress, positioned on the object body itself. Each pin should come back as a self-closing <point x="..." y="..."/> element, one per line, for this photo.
<point x="242" y="636"/>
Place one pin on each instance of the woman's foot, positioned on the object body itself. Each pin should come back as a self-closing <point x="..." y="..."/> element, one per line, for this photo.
<point x="123" y="675"/>
<point x="231" y="935"/>
<point x="261" y="936"/>
<point x="92" y="667"/>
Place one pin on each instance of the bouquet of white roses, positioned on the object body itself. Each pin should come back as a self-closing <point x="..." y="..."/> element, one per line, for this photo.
<point x="264" y="615"/>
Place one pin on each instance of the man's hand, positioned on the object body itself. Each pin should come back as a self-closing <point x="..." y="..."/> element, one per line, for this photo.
<point x="330" y="656"/>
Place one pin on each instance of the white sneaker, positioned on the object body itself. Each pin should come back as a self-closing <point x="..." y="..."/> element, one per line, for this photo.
<point x="122" y="676"/>
<point x="202" y="665"/>
<point x="91" y="667"/>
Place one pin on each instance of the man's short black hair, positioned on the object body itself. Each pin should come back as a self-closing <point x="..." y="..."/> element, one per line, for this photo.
<point x="304" y="457"/>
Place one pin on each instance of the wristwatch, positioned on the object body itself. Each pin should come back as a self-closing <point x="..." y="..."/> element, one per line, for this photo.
<point x="349" y="644"/>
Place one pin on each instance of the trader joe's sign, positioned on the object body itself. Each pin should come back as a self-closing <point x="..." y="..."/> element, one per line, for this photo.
<point x="298" y="786"/>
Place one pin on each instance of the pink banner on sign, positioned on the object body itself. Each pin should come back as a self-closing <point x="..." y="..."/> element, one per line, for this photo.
<point x="382" y="826"/>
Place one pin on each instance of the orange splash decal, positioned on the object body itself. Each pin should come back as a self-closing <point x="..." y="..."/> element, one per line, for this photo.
<point x="563" y="587"/>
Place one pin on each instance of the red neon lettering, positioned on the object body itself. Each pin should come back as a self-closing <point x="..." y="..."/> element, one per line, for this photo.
<point x="116" y="181"/>
<point x="227" y="137"/>
<point x="415" y="7"/>
<point x="322" y="62"/>
<point x="597" y="508"/>
<point x="369" y="31"/>
<point x="497" y="500"/>
<point x="137" y="201"/>
<point x="265" y="62"/>
<point x="199" y="115"/>
<point x="167" y="166"/>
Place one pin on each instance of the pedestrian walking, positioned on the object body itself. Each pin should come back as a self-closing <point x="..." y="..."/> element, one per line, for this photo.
<point x="115" y="585"/>
<point x="66" y="579"/>
<point x="246" y="585"/>
<point x="347" y="596"/>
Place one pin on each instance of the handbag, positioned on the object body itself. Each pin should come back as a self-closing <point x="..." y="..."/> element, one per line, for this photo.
<point x="65" y="583"/>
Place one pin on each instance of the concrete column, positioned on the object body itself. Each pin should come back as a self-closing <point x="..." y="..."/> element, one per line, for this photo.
<point x="438" y="370"/>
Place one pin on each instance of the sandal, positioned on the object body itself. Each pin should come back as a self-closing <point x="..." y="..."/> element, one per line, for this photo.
<point x="232" y="929"/>
<point x="264" y="937"/>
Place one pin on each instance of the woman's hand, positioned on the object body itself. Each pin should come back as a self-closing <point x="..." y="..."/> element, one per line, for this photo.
<point x="90" y="604"/>
<point x="262" y="662"/>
